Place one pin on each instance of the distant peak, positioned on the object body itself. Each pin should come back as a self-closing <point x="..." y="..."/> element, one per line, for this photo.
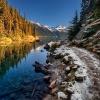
<point x="60" y="28"/>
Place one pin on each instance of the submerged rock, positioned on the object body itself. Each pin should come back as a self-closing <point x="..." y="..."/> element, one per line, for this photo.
<point x="39" y="68"/>
<point x="47" y="47"/>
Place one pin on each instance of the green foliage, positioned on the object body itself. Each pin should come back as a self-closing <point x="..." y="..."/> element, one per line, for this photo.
<point x="75" y="28"/>
<point x="89" y="33"/>
<point x="97" y="9"/>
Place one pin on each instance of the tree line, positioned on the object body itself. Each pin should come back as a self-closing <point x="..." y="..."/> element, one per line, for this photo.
<point x="90" y="9"/>
<point x="12" y="23"/>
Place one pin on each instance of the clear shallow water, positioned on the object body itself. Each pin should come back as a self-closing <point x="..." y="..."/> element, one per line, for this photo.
<point x="16" y="64"/>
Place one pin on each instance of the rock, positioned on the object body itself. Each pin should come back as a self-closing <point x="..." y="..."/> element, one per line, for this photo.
<point x="75" y="67"/>
<point x="66" y="60"/>
<point x="52" y="84"/>
<point x="68" y="90"/>
<point x="67" y="54"/>
<point x="80" y="77"/>
<point x="61" y="95"/>
<point x="47" y="79"/>
<point x="70" y="58"/>
<point x="47" y="61"/>
<point x="47" y="47"/>
<point x="41" y="50"/>
<point x="54" y="46"/>
<point x="67" y="70"/>
<point x="76" y="96"/>
<point x="53" y="91"/>
<point x="98" y="51"/>
<point x="58" y="56"/>
<point x="63" y="84"/>
<point x="45" y="71"/>
<point x="69" y="75"/>
<point x="47" y="97"/>
<point x="39" y="68"/>
<point x="47" y="66"/>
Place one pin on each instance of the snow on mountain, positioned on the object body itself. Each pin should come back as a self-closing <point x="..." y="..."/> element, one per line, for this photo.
<point x="59" y="28"/>
<point x="46" y="26"/>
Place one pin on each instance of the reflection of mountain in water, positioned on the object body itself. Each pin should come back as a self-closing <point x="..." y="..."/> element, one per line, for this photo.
<point x="11" y="55"/>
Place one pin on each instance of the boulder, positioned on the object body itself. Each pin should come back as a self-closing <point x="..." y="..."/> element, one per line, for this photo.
<point x="69" y="91"/>
<point x="47" y="61"/>
<point x="39" y="68"/>
<point x="98" y="52"/>
<point x="67" y="70"/>
<point x="47" y="97"/>
<point x="80" y="77"/>
<point x="52" y="84"/>
<point x="64" y="84"/>
<point x="58" y="56"/>
<point x="66" y="60"/>
<point x="47" y="47"/>
<point x="75" y="67"/>
<point x="61" y="95"/>
<point x="47" y="79"/>
<point x="54" y="91"/>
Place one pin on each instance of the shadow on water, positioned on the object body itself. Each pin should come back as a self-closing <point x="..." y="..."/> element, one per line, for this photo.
<point x="17" y="75"/>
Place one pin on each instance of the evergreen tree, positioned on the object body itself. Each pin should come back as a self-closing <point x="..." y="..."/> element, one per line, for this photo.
<point x="97" y="9"/>
<point x="74" y="28"/>
<point x="83" y="10"/>
<point x="87" y="8"/>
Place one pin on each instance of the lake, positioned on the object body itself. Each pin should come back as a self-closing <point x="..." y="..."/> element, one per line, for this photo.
<point x="16" y="64"/>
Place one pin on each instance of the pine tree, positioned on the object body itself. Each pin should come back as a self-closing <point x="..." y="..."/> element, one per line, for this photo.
<point x="74" y="28"/>
<point x="83" y="10"/>
<point x="97" y="9"/>
<point x="87" y="8"/>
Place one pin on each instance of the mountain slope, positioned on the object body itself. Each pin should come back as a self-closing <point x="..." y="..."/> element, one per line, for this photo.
<point x="89" y="34"/>
<point x="44" y="30"/>
<point x="11" y="23"/>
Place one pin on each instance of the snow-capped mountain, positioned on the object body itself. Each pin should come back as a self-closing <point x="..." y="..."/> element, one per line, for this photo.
<point x="59" y="28"/>
<point x="46" y="26"/>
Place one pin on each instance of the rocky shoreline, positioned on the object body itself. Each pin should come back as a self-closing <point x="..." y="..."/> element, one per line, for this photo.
<point x="70" y="79"/>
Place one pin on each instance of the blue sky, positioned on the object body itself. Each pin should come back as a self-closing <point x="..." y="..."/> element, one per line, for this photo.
<point x="48" y="12"/>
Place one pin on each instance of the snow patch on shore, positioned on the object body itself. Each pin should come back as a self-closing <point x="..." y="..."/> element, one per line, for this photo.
<point x="80" y="89"/>
<point x="95" y="61"/>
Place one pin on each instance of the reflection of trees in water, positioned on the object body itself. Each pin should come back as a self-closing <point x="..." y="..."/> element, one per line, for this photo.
<point x="10" y="56"/>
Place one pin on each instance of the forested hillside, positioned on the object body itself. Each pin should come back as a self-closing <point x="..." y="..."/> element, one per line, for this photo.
<point x="85" y="30"/>
<point x="13" y="25"/>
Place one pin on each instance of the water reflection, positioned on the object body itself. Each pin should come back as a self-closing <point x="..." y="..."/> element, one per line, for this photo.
<point x="16" y="64"/>
<point x="11" y="55"/>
